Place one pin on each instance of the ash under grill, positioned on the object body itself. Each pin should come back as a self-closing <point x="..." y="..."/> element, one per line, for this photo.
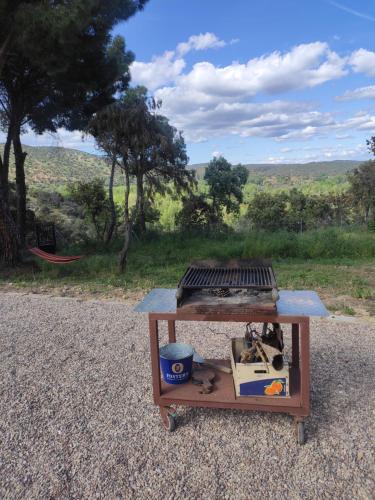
<point x="214" y="286"/>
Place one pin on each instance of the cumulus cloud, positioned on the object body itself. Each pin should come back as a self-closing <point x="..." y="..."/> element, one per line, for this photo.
<point x="164" y="69"/>
<point x="212" y="101"/>
<point x="360" y="93"/>
<point x="306" y="65"/>
<point x="271" y="119"/>
<point x="363" y="61"/>
<point x="160" y="71"/>
<point x="362" y="120"/>
<point x="200" y="42"/>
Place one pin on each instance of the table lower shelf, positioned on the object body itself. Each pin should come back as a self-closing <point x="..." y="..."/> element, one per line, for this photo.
<point x="224" y="395"/>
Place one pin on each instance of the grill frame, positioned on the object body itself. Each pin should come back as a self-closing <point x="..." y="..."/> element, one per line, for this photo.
<point x="235" y="274"/>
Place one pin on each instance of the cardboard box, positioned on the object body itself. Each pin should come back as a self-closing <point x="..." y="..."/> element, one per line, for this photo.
<point x="257" y="379"/>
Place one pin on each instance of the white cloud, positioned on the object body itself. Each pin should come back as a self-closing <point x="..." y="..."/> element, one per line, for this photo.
<point x="343" y="137"/>
<point x="363" y="61"/>
<point x="211" y="101"/>
<point x="274" y="160"/>
<point x="216" y="154"/>
<point x="360" y="93"/>
<point x="200" y="42"/>
<point x="160" y="71"/>
<point x="63" y="138"/>
<point x="306" y="65"/>
<point x="271" y="119"/>
<point x="310" y="154"/>
<point x="360" y="121"/>
<point x="337" y="152"/>
<point x="164" y="69"/>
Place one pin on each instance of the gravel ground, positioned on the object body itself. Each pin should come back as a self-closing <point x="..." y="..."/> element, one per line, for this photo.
<point x="77" y="419"/>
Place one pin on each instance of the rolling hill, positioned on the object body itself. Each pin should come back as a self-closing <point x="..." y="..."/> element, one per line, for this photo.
<point x="311" y="170"/>
<point x="57" y="165"/>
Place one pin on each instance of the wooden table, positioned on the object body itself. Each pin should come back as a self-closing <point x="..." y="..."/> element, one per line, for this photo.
<point x="294" y="308"/>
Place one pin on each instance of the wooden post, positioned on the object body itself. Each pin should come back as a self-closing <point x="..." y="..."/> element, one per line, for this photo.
<point x="305" y="364"/>
<point x="155" y="361"/>
<point x="172" y="331"/>
<point x="295" y="345"/>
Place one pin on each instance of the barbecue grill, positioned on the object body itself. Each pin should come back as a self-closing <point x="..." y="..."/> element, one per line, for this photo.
<point x="237" y="285"/>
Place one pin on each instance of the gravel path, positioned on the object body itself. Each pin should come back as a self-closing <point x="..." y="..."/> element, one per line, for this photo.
<point x="77" y="419"/>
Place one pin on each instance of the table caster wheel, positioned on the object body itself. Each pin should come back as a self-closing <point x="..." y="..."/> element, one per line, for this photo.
<point x="168" y="417"/>
<point x="300" y="430"/>
<point x="169" y="423"/>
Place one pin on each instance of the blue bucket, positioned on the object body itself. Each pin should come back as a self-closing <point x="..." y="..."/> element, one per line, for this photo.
<point x="176" y="361"/>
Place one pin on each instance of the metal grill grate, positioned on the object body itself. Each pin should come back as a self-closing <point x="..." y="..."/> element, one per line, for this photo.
<point x="260" y="277"/>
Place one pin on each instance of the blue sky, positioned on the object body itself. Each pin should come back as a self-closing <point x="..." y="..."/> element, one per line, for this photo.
<point x="257" y="81"/>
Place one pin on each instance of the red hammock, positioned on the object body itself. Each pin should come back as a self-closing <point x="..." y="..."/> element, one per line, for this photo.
<point x="53" y="259"/>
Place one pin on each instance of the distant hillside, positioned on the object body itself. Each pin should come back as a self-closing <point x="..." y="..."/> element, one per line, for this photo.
<point x="310" y="170"/>
<point x="56" y="165"/>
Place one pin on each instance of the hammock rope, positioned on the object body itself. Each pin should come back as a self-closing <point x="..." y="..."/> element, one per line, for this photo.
<point x="53" y="259"/>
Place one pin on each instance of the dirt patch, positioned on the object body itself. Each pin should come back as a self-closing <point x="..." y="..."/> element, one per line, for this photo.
<point x="131" y="296"/>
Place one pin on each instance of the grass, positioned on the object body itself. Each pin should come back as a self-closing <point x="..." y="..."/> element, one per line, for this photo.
<point x="334" y="262"/>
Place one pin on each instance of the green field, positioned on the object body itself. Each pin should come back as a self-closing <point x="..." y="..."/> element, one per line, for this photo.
<point x="339" y="264"/>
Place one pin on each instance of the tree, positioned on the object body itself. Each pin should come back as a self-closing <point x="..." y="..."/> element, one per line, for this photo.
<point x="10" y="11"/>
<point x="62" y="67"/>
<point x="242" y="173"/>
<point x="159" y="154"/>
<point x="107" y="127"/>
<point x="341" y="207"/>
<point x="9" y="239"/>
<point x="196" y="214"/>
<point x="362" y="188"/>
<point x="225" y="184"/>
<point x="145" y="147"/>
<point x="269" y="212"/>
<point x="92" y="197"/>
<point x="116" y="128"/>
<point x="297" y="210"/>
<point x="318" y="211"/>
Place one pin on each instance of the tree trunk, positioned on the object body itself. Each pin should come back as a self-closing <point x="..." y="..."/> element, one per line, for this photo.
<point x="112" y="222"/>
<point x="9" y="241"/>
<point x="128" y="226"/>
<point x="4" y="166"/>
<point x="367" y="211"/>
<point x="20" y="158"/>
<point x="140" y="204"/>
